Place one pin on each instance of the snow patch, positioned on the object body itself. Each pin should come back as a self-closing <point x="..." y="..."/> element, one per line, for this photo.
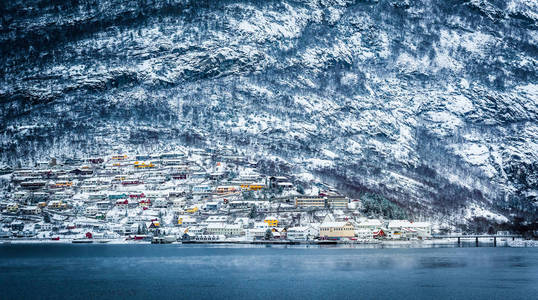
<point x="459" y="104"/>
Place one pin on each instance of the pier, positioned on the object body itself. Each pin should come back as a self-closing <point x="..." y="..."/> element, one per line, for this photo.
<point x="476" y="237"/>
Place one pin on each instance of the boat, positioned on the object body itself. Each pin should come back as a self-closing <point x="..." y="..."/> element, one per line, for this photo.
<point x="82" y="241"/>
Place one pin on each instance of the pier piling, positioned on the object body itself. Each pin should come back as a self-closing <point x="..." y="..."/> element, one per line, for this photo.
<point x="476" y="241"/>
<point x="494" y="241"/>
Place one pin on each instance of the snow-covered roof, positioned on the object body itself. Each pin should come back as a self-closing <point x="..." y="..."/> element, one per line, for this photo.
<point x="399" y="223"/>
<point x="335" y="224"/>
<point x="223" y="226"/>
<point x="370" y="222"/>
<point x="420" y="224"/>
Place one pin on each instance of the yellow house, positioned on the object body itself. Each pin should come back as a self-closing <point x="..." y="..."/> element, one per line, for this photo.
<point x="63" y="184"/>
<point x="336" y="230"/>
<point x="255" y="187"/>
<point x="192" y="210"/>
<point x="271" y="221"/>
<point x="252" y="186"/>
<point x="226" y="189"/>
<point x="119" y="157"/>
<point x="12" y="207"/>
<point x="142" y="165"/>
<point x="57" y="204"/>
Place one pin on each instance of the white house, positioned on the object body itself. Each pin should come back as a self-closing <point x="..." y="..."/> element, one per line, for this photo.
<point x="302" y="233"/>
<point x="243" y="222"/>
<point x="404" y="229"/>
<point x="91" y="210"/>
<point x="217" y="219"/>
<point x="186" y="220"/>
<point x="424" y="229"/>
<point x="365" y="229"/>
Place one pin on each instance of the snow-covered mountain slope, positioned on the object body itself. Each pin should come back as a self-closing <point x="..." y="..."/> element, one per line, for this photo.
<point x="432" y="103"/>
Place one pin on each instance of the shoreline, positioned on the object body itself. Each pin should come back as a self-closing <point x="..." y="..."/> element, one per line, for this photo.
<point x="518" y="243"/>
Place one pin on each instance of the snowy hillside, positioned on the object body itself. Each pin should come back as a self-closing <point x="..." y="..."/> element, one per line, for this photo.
<point x="433" y="104"/>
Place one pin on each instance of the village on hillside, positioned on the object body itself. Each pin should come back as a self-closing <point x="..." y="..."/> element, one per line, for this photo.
<point x="189" y="196"/>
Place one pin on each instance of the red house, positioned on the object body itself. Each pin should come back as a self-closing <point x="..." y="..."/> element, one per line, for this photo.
<point x="379" y="234"/>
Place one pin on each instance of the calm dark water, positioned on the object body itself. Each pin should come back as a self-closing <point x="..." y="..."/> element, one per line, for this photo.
<point x="209" y="272"/>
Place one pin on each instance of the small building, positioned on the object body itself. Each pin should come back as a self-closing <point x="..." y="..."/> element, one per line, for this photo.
<point x="271" y="221"/>
<point x="285" y="185"/>
<point x="31" y="210"/>
<point x="160" y="203"/>
<point x="33" y="185"/>
<point x="178" y="204"/>
<point x="17" y="226"/>
<point x="186" y="221"/>
<point x="404" y="229"/>
<point x="90" y="188"/>
<point x="302" y="233"/>
<point x="275" y="180"/>
<point x="20" y="195"/>
<point x="217" y="219"/>
<point x="253" y="186"/>
<point x="172" y="162"/>
<point x="57" y="204"/>
<point x="223" y="190"/>
<point x="97" y="197"/>
<point x="42" y="164"/>
<point x="424" y="229"/>
<point x="103" y="205"/>
<point x="131" y="182"/>
<point x="117" y="196"/>
<point x="212" y="206"/>
<point x="144" y="165"/>
<point x="243" y="222"/>
<point x="144" y="203"/>
<point x="91" y="211"/>
<point x="365" y="229"/>
<point x="12" y="207"/>
<point x="192" y="210"/>
<point x="202" y="189"/>
<point x="256" y="233"/>
<point x="122" y="203"/>
<point x="46" y="226"/>
<point x="172" y="155"/>
<point x="119" y="157"/>
<point x="240" y="204"/>
<point x="179" y="175"/>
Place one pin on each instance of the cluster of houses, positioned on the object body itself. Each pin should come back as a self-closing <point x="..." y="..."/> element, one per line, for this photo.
<point x="187" y="195"/>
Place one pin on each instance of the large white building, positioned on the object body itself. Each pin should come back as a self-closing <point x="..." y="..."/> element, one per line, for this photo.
<point x="225" y="229"/>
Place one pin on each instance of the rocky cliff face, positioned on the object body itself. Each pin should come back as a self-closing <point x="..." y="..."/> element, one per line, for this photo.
<point x="432" y="103"/>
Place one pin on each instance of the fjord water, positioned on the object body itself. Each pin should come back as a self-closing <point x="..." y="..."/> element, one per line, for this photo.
<point x="30" y="271"/>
